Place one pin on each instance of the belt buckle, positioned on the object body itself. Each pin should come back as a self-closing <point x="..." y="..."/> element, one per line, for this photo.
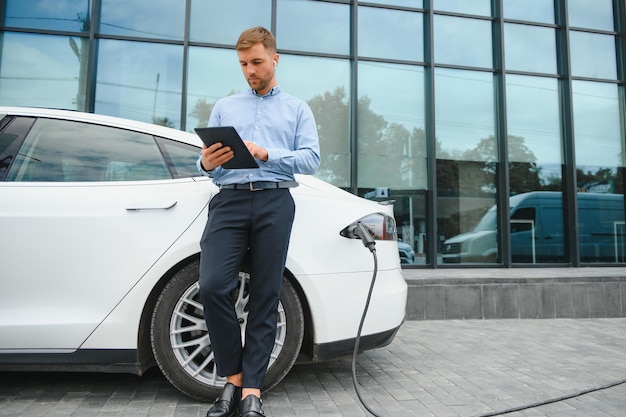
<point x="254" y="189"/>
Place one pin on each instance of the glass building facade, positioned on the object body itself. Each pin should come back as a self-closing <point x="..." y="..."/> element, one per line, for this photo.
<point x="495" y="126"/>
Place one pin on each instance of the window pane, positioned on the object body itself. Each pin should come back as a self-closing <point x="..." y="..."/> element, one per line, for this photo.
<point x="596" y="14"/>
<point x="181" y="157"/>
<point x="73" y="16"/>
<point x="593" y="55"/>
<point x="532" y="10"/>
<point x="466" y="164"/>
<point x="477" y="7"/>
<point x="43" y="71"/>
<point x="597" y="125"/>
<point x="529" y="48"/>
<point x="535" y="167"/>
<point x="599" y="171"/>
<point x="140" y="81"/>
<point x="392" y="146"/>
<point x="461" y="41"/>
<point x="222" y="67"/>
<point x="162" y="19"/>
<point x="328" y="98"/>
<point x="313" y="26"/>
<point x="222" y="22"/>
<point x="398" y="34"/>
<point x="403" y="3"/>
<point x="391" y="126"/>
<point x="56" y="150"/>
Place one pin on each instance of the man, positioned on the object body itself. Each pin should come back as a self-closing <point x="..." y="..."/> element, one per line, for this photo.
<point x="253" y="212"/>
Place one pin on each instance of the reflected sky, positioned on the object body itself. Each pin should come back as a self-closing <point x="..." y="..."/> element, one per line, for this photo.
<point x="47" y="14"/>
<point x="596" y="14"/>
<point x="531" y="10"/>
<point x="478" y="7"/>
<point x="597" y="124"/>
<point x="313" y="26"/>
<point x="533" y="114"/>
<point x="528" y="48"/>
<point x="379" y="31"/>
<point x="401" y="98"/>
<point x="143" y="18"/>
<point x="593" y="55"/>
<point x="38" y="70"/>
<point x="464" y="109"/>
<point x="221" y="22"/>
<point x="462" y="41"/>
<point x="139" y="81"/>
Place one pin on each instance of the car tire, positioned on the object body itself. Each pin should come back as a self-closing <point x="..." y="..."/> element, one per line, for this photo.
<point x="181" y="344"/>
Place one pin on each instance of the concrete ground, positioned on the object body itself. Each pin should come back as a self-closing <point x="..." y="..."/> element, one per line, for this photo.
<point x="448" y="368"/>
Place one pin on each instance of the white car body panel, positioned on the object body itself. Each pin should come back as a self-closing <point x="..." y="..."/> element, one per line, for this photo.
<point x="124" y="256"/>
<point x="49" y="220"/>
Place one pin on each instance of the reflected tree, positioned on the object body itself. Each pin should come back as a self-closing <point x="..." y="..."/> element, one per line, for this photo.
<point x="524" y="174"/>
<point x="163" y="121"/>
<point x="332" y="116"/>
<point x="202" y="111"/>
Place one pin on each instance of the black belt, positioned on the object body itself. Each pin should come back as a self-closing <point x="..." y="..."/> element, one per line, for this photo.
<point x="259" y="185"/>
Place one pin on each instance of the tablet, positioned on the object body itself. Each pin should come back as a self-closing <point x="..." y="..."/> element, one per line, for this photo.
<point x="228" y="136"/>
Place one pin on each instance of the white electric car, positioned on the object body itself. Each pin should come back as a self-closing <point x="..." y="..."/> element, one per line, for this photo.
<point x="100" y="221"/>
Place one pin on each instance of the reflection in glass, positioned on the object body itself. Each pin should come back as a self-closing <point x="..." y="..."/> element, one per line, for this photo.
<point x="392" y="147"/>
<point x="391" y="126"/>
<point x="593" y="55"/>
<point x="140" y="81"/>
<point x="535" y="161"/>
<point x="596" y="14"/>
<point x="313" y="26"/>
<point x="71" y="16"/>
<point x="160" y="19"/>
<point x="213" y="73"/>
<point x="56" y="151"/>
<point x="221" y="22"/>
<point x="534" y="134"/>
<point x="466" y="158"/>
<point x="43" y="71"/>
<point x="530" y="48"/>
<point x="398" y="34"/>
<point x="329" y="100"/>
<point x="403" y="3"/>
<point x="477" y="7"/>
<point x="599" y="171"/>
<point x="462" y="41"/>
<point x="531" y="10"/>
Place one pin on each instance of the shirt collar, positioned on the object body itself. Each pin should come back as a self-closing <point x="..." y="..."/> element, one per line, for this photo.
<point x="272" y="92"/>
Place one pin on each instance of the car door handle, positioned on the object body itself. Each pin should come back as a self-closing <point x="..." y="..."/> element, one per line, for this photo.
<point x="152" y="206"/>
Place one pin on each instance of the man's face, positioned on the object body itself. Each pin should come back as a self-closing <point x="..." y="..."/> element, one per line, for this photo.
<point x="257" y="65"/>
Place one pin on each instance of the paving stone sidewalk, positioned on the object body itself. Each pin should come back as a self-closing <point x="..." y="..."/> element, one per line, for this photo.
<point x="432" y="369"/>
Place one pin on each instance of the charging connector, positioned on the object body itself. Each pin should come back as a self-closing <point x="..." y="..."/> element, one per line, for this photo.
<point x="365" y="235"/>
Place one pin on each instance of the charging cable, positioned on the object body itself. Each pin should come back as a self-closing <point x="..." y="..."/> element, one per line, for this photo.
<point x="361" y="231"/>
<point x="368" y="241"/>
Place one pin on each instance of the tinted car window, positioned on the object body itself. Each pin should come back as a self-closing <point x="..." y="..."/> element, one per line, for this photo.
<point x="62" y="151"/>
<point x="180" y="157"/>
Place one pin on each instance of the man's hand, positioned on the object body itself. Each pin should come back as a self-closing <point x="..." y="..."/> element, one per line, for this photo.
<point x="215" y="155"/>
<point x="256" y="151"/>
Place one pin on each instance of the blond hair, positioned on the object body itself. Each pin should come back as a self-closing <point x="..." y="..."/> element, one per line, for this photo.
<point x="252" y="36"/>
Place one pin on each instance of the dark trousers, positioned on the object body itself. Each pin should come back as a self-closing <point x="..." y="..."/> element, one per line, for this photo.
<point x="240" y="221"/>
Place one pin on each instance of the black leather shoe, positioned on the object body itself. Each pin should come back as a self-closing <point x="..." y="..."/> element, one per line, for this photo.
<point x="251" y="407"/>
<point x="227" y="403"/>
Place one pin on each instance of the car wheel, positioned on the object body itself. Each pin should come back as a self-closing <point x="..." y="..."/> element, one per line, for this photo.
<point x="181" y="344"/>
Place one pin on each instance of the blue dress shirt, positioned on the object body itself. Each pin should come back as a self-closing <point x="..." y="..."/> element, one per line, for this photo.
<point x="278" y="122"/>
